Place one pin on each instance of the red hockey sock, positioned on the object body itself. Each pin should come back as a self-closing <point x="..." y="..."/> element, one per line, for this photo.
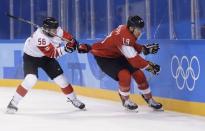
<point x="21" y="91"/>
<point x="67" y="90"/>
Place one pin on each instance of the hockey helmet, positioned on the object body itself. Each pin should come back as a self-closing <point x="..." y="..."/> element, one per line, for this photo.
<point x="50" y="23"/>
<point x="135" y="21"/>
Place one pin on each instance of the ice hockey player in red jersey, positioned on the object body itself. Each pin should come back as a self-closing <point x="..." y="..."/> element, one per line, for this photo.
<point x="40" y="51"/>
<point x="118" y="56"/>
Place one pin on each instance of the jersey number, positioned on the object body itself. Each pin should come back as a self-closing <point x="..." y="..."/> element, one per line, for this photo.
<point x="126" y="41"/>
<point x="41" y="41"/>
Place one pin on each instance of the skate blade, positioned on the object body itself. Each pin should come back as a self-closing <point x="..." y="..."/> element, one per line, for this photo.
<point x="159" y="110"/>
<point x="128" y="110"/>
<point x="11" y="111"/>
<point x="84" y="109"/>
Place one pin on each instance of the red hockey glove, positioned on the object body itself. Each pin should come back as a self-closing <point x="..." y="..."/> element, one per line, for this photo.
<point x="150" y="49"/>
<point x="83" y="48"/>
<point x="71" y="46"/>
<point x="153" y="68"/>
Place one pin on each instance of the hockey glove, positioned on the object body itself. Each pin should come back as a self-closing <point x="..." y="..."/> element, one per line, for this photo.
<point x="153" y="68"/>
<point x="71" y="46"/>
<point x="83" y="48"/>
<point x="150" y="49"/>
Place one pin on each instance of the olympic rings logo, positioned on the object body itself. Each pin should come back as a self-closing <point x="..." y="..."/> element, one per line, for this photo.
<point x="185" y="73"/>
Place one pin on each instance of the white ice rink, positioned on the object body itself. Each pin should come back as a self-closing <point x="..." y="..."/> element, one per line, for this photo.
<point x="48" y="111"/>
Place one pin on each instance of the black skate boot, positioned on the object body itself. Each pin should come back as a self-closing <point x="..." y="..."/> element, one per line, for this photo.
<point x="77" y="103"/>
<point x="127" y="103"/>
<point x="11" y="108"/>
<point x="152" y="103"/>
<point x="130" y="105"/>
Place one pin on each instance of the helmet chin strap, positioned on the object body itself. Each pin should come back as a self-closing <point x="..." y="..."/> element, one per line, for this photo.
<point x="138" y="31"/>
<point x="139" y="36"/>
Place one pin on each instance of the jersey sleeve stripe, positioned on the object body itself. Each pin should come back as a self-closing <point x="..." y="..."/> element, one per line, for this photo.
<point x="128" y="51"/>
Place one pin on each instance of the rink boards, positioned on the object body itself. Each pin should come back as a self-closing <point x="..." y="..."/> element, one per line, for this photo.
<point x="179" y="85"/>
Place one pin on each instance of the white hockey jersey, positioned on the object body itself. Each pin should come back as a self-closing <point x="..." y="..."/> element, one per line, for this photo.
<point x="39" y="44"/>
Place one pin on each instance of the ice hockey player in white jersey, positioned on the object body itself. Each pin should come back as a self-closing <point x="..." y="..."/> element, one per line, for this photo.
<point x="40" y="51"/>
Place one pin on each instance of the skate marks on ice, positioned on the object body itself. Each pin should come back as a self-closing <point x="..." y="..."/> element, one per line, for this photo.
<point x="46" y="110"/>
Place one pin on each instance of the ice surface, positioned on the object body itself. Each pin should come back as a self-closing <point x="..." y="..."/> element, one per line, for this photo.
<point x="44" y="110"/>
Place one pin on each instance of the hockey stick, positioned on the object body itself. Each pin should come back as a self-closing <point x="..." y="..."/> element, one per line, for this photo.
<point x="36" y="26"/>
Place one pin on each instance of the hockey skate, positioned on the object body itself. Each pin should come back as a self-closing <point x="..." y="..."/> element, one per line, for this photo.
<point x="128" y="104"/>
<point x="77" y="103"/>
<point x="153" y="104"/>
<point x="11" y="108"/>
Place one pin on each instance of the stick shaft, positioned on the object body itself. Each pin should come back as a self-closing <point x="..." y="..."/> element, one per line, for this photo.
<point x="35" y="25"/>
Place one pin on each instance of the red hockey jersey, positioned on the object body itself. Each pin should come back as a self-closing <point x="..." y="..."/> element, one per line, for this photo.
<point x="120" y="42"/>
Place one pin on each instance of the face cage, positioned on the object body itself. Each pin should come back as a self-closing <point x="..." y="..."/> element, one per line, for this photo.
<point x="49" y="30"/>
<point x="137" y="29"/>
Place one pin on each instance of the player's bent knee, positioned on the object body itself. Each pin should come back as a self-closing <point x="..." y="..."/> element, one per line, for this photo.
<point x="143" y="85"/>
<point x="61" y="81"/>
<point x="29" y="81"/>
<point x="140" y="78"/>
<point x="124" y="77"/>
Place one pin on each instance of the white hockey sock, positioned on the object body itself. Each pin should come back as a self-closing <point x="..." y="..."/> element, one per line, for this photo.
<point x="146" y="91"/>
<point x="71" y="96"/>
<point x="16" y="99"/>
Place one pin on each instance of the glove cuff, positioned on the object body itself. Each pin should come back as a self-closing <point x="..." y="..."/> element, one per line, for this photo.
<point x="68" y="50"/>
<point x="145" y="50"/>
